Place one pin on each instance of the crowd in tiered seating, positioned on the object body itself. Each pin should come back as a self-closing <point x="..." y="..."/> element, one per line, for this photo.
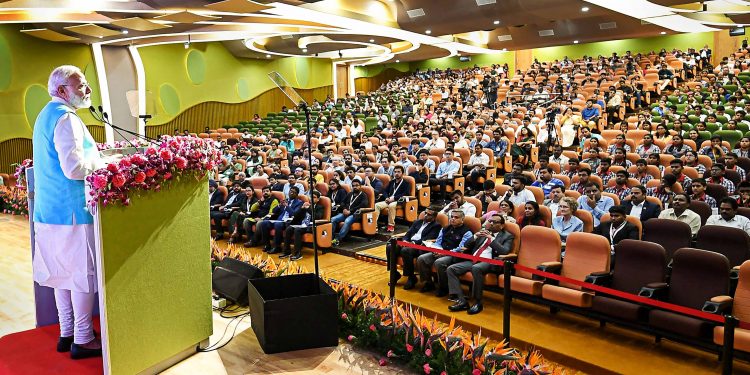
<point x="591" y="152"/>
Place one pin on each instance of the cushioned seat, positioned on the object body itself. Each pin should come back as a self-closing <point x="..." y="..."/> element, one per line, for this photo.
<point x="538" y="245"/>
<point x="680" y="324"/>
<point x="617" y="308"/>
<point x="740" y="310"/>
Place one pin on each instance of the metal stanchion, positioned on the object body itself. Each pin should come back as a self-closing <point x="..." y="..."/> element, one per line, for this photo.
<point x="507" y="298"/>
<point x="392" y="261"/>
<point x="727" y="355"/>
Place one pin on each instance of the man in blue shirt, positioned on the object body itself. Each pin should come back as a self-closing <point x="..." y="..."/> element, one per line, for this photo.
<point x="451" y="238"/>
<point x="283" y="215"/>
<point x="546" y="181"/>
<point x="593" y="201"/>
<point x="590" y="113"/>
<point x="448" y="169"/>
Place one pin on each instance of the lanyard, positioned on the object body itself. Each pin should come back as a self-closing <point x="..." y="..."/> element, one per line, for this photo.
<point x="396" y="189"/>
<point x="352" y="199"/>
<point x="613" y="232"/>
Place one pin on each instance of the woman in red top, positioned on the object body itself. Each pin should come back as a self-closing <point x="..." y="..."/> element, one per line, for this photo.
<point x="531" y="215"/>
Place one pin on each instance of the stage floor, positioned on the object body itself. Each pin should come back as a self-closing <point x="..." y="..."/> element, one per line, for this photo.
<point x="566" y="338"/>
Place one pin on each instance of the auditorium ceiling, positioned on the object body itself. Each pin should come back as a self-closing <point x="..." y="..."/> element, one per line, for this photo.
<point x="365" y="32"/>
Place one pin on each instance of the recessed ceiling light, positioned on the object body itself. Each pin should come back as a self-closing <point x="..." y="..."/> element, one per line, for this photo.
<point x="504" y="49"/>
<point x="398" y="60"/>
<point x="101" y="36"/>
<point x="428" y="32"/>
<point x="304" y="50"/>
<point x="459" y="55"/>
<point x="663" y="32"/>
<point x="268" y="56"/>
<point x="497" y="22"/>
<point x="575" y="42"/>
<point x="585" y="9"/>
<point x="372" y="40"/>
<point x="124" y="31"/>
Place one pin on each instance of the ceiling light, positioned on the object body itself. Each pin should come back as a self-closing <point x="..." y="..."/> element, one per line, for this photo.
<point x="663" y="32"/>
<point x="372" y="40"/>
<point x="497" y="22"/>
<point x="585" y="9"/>
<point x="124" y="31"/>
<point x="398" y="60"/>
<point x="268" y="56"/>
<point x="575" y="42"/>
<point x="304" y="50"/>
<point x="459" y="55"/>
<point x="428" y="32"/>
<point x="504" y="49"/>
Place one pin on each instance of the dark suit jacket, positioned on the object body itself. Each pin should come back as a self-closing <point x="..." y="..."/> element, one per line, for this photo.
<point x="430" y="232"/>
<point x="239" y="202"/>
<point x="649" y="211"/>
<point x="291" y="207"/>
<point x="355" y="201"/>
<point x="338" y="199"/>
<point x="216" y="199"/>
<point x="628" y="232"/>
<point x="299" y="216"/>
<point x="501" y="245"/>
<point x="403" y="189"/>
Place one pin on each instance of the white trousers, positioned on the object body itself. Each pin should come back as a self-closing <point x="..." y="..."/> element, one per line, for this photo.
<point x="74" y="310"/>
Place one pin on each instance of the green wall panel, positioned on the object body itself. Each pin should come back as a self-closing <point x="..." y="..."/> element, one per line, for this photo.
<point x="26" y="61"/>
<point x="163" y="64"/>
<point x="441" y="63"/>
<point x="196" y="67"/>
<point x="35" y="98"/>
<point x="169" y="99"/>
<point x="157" y="274"/>
<point x="669" y="42"/>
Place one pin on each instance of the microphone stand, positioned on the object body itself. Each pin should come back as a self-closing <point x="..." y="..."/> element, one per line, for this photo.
<point x="104" y="118"/>
<point x="312" y="184"/>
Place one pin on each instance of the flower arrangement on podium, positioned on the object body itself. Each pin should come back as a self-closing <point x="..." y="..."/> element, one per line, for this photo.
<point x="13" y="200"/>
<point x="137" y="142"/>
<point x="20" y="173"/>
<point x="174" y="158"/>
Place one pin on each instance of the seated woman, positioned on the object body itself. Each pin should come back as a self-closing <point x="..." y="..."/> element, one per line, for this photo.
<point x="521" y="150"/>
<point x="531" y="215"/>
<point x="566" y="222"/>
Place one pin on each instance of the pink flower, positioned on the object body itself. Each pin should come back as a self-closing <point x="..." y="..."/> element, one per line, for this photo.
<point x="165" y="154"/>
<point x="443" y="373"/>
<point x="125" y="162"/>
<point x="427" y="368"/>
<point x="140" y="177"/>
<point x="476" y="371"/>
<point x="112" y="167"/>
<point x="372" y="327"/>
<point x="391" y="354"/>
<point x="383" y="362"/>
<point x="150" y="172"/>
<point x="181" y="162"/>
<point x="167" y="175"/>
<point x="138" y="159"/>
<point x="344" y="316"/>
<point x="409" y="348"/>
<point x="428" y="352"/>
<point x="99" y="182"/>
<point x="350" y="337"/>
<point x="118" y="180"/>
<point x="150" y="151"/>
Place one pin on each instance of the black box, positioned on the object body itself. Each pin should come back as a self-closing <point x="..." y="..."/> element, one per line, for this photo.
<point x="293" y="312"/>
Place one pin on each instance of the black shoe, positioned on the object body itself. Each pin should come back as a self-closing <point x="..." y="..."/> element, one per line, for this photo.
<point x="428" y="287"/>
<point x="79" y="352"/>
<point x="295" y="257"/>
<point x="410" y="283"/>
<point x="274" y="251"/>
<point x="453" y="298"/>
<point x="441" y="293"/>
<point x="248" y="244"/>
<point x="218" y="236"/>
<point x="395" y="279"/>
<point x="64" y="343"/>
<point x="284" y="255"/>
<point x="460" y="306"/>
<point x="476" y="309"/>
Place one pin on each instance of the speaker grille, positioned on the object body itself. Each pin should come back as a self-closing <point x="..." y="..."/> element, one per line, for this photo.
<point x="548" y="32"/>
<point x="414" y="13"/>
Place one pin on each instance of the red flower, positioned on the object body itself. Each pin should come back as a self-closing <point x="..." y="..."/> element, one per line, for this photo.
<point x="344" y="316"/>
<point x="181" y="162"/>
<point x="118" y="180"/>
<point x="112" y="167"/>
<point x="150" y="172"/>
<point x="350" y="337"/>
<point x="426" y="368"/>
<point x="372" y="327"/>
<point x="476" y="372"/>
<point x="99" y="182"/>
<point x="383" y="362"/>
<point x="409" y="348"/>
<point x="428" y="352"/>
<point x="150" y="151"/>
<point x="167" y="175"/>
<point x="165" y="154"/>
<point x="138" y="159"/>
<point x="125" y="163"/>
<point x="140" y="177"/>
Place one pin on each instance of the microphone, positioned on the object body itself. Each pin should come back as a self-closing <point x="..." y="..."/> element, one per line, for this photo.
<point x="144" y="117"/>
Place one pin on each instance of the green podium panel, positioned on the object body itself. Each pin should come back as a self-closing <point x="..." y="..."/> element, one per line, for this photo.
<point x="154" y="277"/>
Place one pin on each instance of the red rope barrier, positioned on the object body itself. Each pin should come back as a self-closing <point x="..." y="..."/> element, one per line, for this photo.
<point x="598" y="288"/>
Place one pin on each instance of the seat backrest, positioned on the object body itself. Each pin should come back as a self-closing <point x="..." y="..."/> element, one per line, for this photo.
<point x="473" y="223"/>
<point x="326" y="203"/>
<point x="224" y="193"/>
<point x="585" y="253"/>
<point x="741" y="305"/>
<point x="631" y="219"/>
<point x="514" y="229"/>
<point x="702" y="209"/>
<point x="587" y="218"/>
<point x="538" y="193"/>
<point x="477" y="204"/>
<point x="716" y="191"/>
<point x="370" y="195"/>
<point x="410" y="181"/>
<point x="733" y="243"/>
<point x="670" y="234"/>
<point x="697" y="276"/>
<point x="638" y="263"/>
<point x="442" y="219"/>
<point x="538" y="245"/>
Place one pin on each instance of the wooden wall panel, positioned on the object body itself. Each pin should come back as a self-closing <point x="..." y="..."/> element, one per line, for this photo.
<point x="216" y="114"/>
<point x="14" y="150"/>
<point x="367" y="84"/>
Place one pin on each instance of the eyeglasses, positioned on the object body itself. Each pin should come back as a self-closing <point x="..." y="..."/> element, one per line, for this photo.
<point x="455" y="217"/>
<point x="494" y="221"/>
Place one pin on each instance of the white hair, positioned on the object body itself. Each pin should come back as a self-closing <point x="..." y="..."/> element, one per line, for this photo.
<point x="60" y="77"/>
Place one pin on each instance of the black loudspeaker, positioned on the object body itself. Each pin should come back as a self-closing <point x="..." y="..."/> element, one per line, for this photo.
<point x="230" y="278"/>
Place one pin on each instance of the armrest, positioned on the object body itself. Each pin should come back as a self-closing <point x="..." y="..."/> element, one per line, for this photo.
<point x="599" y="278"/>
<point x="322" y="221"/>
<point x="654" y="290"/>
<point x="552" y="267"/>
<point x="718" y="305"/>
<point x="365" y="210"/>
<point x="509" y="257"/>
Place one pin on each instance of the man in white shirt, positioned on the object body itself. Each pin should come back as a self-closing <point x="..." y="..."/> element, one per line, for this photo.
<point x="681" y="212"/>
<point x="445" y="172"/>
<point x="458" y="203"/>
<point x="728" y="217"/>
<point x="476" y="168"/>
<point x="553" y="198"/>
<point x="518" y="194"/>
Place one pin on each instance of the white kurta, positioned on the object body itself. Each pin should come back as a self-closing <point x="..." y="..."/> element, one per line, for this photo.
<point x="64" y="254"/>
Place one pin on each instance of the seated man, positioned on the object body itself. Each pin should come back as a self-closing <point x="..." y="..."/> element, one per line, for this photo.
<point x="583" y="180"/>
<point x="476" y="168"/>
<point x="235" y="200"/>
<point x="553" y="198"/>
<point x="215" y="199"/>
<point x="445" y="172"/>
<point x="420" y="231"/>
<point x="301" y="223"/>
<point x="665" y="190"/>
<point x="637" y="205"/>
<point x="260" y="210"/>
<point x="354" y="201"/>
<point x="681" y="212"/>
<point x="545" y="180"/>
<point x="487" y="195"/>
<point x="396" y="189"/>
<point x="458" y="203"/>
<point x="490" y="243"/>
<point x="617" y="228"/>
<point x="239" y="215"/>
<point x="728" y="217"/>
<point x="519" y="194"/>
<point x="451" y="238"/>
<point x="594" y="202"/>
<point x="699" y="193"/>
<point x="282" y="215"/>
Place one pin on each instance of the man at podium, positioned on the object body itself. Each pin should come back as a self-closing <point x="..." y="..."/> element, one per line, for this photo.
<point x="64" y="153"/>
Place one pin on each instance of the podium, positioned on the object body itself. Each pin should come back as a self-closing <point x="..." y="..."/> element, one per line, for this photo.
<point x="154" y="277"/>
